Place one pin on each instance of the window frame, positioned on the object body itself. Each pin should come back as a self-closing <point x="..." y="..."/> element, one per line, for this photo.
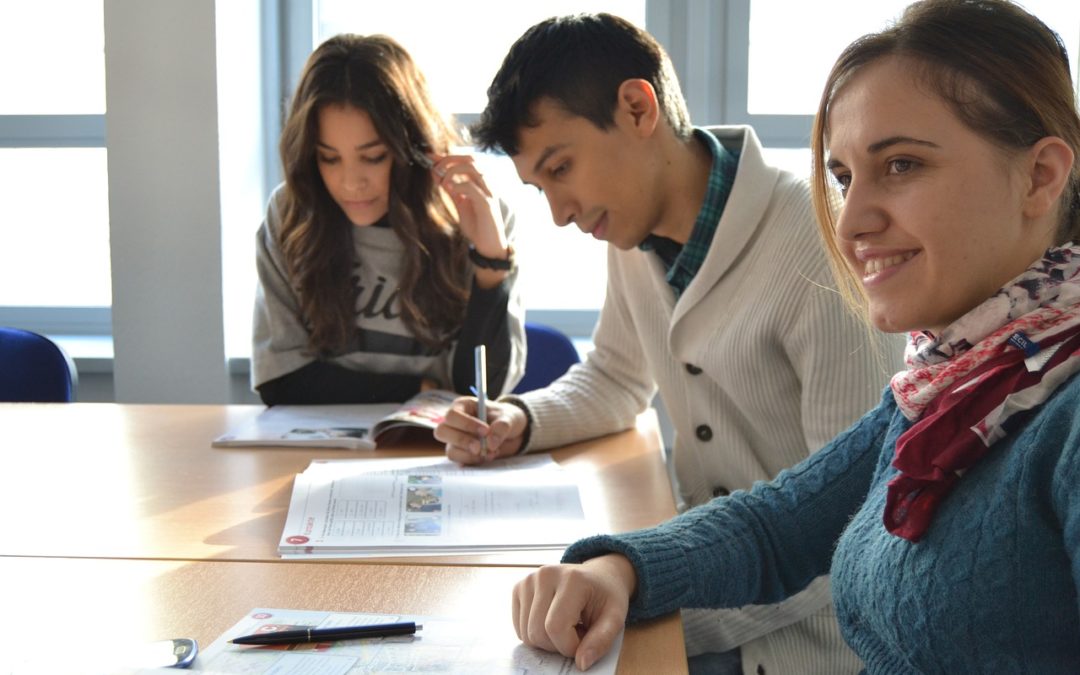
<point x="55" y="131"/>
<point x="291" y="32"/>
<point x="708" y="43"/>
<point x="774" y="131"/>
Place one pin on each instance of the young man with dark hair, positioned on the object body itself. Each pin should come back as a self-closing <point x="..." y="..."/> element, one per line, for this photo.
<point x="718" y="295"/>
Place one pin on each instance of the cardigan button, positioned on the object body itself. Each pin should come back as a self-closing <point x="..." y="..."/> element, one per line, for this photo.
<point x="692" y="369"/>
<point x="760" y="669"/>
<point x="720" y="491"/>
<point x="704" y="433"/>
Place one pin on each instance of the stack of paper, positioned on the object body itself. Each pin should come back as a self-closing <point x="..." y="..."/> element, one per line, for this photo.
<point x="424" y="506"/>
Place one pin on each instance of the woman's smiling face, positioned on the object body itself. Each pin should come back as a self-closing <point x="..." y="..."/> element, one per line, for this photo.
<point x="933" y="215"/>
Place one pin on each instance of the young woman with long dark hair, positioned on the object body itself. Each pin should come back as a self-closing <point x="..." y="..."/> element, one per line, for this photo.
<point x="384" y="258"/>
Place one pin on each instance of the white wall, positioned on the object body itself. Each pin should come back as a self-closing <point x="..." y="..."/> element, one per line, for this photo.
<point x="164" y="201"/>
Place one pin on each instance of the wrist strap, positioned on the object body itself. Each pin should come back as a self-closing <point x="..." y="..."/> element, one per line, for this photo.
<point x="492" y="263"/>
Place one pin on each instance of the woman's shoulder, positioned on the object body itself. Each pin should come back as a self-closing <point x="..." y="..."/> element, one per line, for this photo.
<point x="1047" y="442"/>
<point x="1062" y="410"/>
<point x="1055" y="446"/>
<point x="275" y="207"/>
<point x="1066" y="398"/>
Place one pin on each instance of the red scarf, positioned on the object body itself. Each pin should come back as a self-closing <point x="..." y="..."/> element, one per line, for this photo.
<point x="978" y="382"/>
<point x="957" y="428"/>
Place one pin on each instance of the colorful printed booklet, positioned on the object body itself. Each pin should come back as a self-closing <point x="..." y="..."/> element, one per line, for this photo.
<point x="356" y="426"/>
<point x="443" y="646"/>
<point x="357" y="508"/>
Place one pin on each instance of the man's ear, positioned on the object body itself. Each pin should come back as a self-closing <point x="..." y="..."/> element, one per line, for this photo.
<point x="1050" y="162"/>
<point x="638" y="107"/>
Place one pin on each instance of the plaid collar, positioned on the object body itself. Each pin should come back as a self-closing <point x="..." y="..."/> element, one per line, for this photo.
<point x="683" y="262"/>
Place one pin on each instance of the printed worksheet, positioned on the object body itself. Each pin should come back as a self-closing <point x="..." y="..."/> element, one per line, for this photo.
<point x="427" y="506"/>
<point x="441" y="647"/>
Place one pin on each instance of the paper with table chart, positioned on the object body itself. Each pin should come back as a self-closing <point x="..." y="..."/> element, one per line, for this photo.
<point x="356" y="508"/>
<point x="444" y="646"/>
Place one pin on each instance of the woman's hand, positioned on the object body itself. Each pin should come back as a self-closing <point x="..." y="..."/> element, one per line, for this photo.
<point x="575" y="610"/>
<point x="480" y="217"/>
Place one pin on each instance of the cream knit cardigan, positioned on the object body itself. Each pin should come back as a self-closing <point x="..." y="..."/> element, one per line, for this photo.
<point x="783" y="368"/>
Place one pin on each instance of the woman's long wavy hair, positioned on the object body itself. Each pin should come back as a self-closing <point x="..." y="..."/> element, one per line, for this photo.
<point x="375" y="74"/>
<point x="1002" y="71"/>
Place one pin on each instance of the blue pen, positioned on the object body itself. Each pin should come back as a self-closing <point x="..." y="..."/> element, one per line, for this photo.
<point x="480" y="359"/>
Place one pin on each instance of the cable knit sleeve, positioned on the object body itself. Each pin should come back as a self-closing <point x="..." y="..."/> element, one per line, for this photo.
<point x="756" y="546"/>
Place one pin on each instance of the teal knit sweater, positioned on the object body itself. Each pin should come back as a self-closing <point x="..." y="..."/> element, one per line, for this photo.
<point x="991" y="587"/>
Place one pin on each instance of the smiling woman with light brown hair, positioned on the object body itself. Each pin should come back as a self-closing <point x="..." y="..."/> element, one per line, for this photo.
<point x="949" y="516"/>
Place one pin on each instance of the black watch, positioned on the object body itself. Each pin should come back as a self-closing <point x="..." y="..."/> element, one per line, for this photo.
<point x="492" y="263"/>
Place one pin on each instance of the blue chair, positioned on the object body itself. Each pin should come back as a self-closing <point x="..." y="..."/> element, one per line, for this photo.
<point x="549" y="354"/>
<point x="33" y="368"/>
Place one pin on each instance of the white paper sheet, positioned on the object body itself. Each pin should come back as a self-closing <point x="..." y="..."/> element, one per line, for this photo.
<point x="425" y="506"/>
<point x="444" y="646"/>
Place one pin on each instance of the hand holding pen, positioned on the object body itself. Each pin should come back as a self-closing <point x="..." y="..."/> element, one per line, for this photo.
<point x="462" y="428"/>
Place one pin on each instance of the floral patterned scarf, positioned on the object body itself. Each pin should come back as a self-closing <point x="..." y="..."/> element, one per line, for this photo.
<point x="978" y="380"/>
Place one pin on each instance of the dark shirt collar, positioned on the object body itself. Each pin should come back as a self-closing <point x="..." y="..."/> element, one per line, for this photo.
<point x="682" y="262"/>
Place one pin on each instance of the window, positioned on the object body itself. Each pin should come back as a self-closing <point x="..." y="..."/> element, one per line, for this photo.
<point x="777" y="29"/>
<point x="458" y="47"/>
<point x="757" y="62"/>
<point x="431" y="31"/>
<point x="778" y="93"/>
<point x="737" y="62"/>
<point x="54" y="219"/>
<point x="291" y="30"/>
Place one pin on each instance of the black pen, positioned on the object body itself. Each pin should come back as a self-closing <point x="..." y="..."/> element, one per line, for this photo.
<point x="292" y="637"/>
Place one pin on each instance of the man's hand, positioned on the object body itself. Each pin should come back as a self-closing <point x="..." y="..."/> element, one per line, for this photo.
<point x="461" y="431"/>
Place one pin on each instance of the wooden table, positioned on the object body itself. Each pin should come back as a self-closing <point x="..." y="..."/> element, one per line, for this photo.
<point x="124" y="517"/>
<point x="141" y="481"/>
<point x="147" y="600"/>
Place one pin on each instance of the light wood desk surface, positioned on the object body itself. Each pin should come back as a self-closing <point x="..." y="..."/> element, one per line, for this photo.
<point x="113" y="601"/>
<point x="141" y="481"/>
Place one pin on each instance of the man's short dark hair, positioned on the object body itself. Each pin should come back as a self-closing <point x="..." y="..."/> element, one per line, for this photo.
<point x="578" y="62"/>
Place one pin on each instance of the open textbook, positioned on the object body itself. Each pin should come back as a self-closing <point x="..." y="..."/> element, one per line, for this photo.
<point x="355" y="508"/>
<point x="443" y="646"/>
<point x="353" y="426"/>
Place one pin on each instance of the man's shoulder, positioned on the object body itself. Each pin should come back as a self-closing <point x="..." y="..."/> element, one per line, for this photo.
<point x="753" y="166"/>
<point x="732" y="136"/>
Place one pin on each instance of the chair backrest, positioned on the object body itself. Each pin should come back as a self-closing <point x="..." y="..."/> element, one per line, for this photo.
<point x="33" y="368"/>
<point x="549" y="354"/>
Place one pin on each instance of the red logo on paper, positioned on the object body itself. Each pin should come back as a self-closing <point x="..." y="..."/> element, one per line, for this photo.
<point x="297" y="539"/>
<point x="261" y="615"/>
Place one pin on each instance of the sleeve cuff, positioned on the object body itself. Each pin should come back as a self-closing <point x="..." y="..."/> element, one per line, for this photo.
<point x="658" y="560"/>
<point x="518" y="403"/>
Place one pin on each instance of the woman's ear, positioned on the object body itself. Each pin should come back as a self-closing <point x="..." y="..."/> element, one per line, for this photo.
<point x="637" y="106"/>
<point x="1050" y="162"/>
